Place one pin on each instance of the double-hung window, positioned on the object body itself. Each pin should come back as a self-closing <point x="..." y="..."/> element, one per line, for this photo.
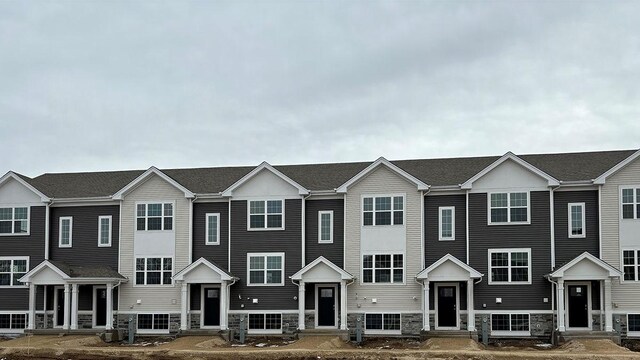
<point x="383" y="268"/>
<point x="631" y="203"/>
<point x="104" y="231"/>
<point x="510" y="266"/>
<point x="266" y="215"/>
<point x="510" y="324"/>
<point x="446" y="223"/>
<point x="212" y="229"/>
<point x="65" y="236"/>
<point x="154" y="271"/>
<point x="630" y="264"/>
<point x="509" y="208"/>
<point x="265" y="269"/>
<point x="325" y="227"/>
<point x="12" y="269"/>
<point x="154" y="216"/>
<point x="577" y="225"/>
<point x="14" y="221"/>
<point x="382" y="210"/>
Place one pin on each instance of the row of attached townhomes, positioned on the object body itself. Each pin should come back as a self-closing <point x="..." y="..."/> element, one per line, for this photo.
<point x="528" y="245"/>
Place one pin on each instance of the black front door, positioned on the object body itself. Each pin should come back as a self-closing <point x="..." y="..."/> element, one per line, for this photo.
<point x="101" y="307"/>
<point x="59" y="307"/>
<point x="326" y="306"/>
<point x="447" y="299"/>
<point x="211" y="306"/>
<point x="578" y="306"/>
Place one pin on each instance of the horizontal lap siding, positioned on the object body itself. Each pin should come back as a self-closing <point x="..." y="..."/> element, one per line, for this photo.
<point x="568" y="248"/>
<point x="434" y="248"/>
<point x="536" y="236"/>
<point x="217" y="253"/>
<point x="85" y="250"/>
<point x="334" y="252"/>
<point x="243" y="241"/>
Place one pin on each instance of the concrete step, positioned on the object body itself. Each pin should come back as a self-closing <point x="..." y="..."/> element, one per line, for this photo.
<point x="576" y="335"/>
<point x="449" y="333"/>
<point x="343" y="334"/>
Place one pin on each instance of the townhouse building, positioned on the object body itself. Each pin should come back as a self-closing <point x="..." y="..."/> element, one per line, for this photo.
<point x="527" y="244"/>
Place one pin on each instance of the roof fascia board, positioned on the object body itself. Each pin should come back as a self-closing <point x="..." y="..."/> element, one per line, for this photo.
<point x="510" y="156"/>
<point x="12" y="175"/>
<point x="321" y="259"/>
<point x="382" y="161"/>
<point x="474" y="274"/>
<point x="202" y="261"/>
<point x="264" y="165"/>
<point x="140" y="179"/>
<point x="585" y="255"/>
<point x="603" y="178"/>
<point x="42" y="265"/>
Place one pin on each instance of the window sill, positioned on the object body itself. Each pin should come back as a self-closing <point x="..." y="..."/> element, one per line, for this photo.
<point x="509" y="283"/>
<point x="16" y="234"/>
<point x="104" y="246"/>
<point x="21" y="287"/>
<point x="383" y="283"/>
<point x="509" y="223"/>
<point x="511" y="333"/>
<point x="152" y="331"/>
<point x="325" y="242"/>
<point x="214" y="243"/>
<point x="153" y="286"/>
<point x="577" y="236"/>
<point x="382" y="332"/>
<point x="446" y="239"/>
<point x="375" y="226"/>
<point x="260" y="332"/>
<point x="265" y="229"/>
<point x="268" y="285"/>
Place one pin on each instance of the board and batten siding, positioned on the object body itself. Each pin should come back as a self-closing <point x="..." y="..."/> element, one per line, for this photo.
<point x="568" y="248"/>
<point x="156" y="298"/>
<point x="390" y="297"/>
<point x="624" y="293"/>
<point x="333" y="252"/>
<point x="435" y="248"/>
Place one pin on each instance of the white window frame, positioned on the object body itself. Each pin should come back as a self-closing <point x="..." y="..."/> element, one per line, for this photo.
<point x="265" y="255"/>
<point x="441" y="237"/>
<point x="374" y="211"/>
<point x="330" y="213"/>
<point x="13" y="220"/>
<point x="162" y="217"/>
<point x="509" y="222"/>
<point x="266" y="213"/>
<point x="509" y="267"/>
<point x="153" y="331"/>
<point x="263" y="330"/>
<point x="636" y="264"/>
<point x="12" y="259"/>
<point x="13" y="330"/>
<point x="373" y="269"/>
<point x="100" y="218"/>
<point x="60" y="221"/>
<point x="635" y="203"/>
<point x="206" y="228"/>
<point x="510" y="332"/>
<point x="382" y="331"/>
<point x="584" y="220"/>
<point x="161" y="271"/>
<point x="629" y="332"/>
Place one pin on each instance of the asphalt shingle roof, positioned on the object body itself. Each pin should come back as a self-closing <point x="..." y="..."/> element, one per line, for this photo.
<point x="101" y="272"/>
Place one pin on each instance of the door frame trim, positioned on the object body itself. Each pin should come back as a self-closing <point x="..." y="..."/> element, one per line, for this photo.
<point x="589" y="304"/>
<point x="202" y="308"/>
<point x="95" y="307"/>
<point x="55" y="307"/>
<point x="436" y="287"/>
<point x="335" y="306"/>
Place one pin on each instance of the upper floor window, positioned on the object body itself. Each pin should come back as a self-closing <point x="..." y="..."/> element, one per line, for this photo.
<point x="509" y="208"/>
<point x="266" y="214"/>
<point x="325" y="226"/>
<point x="511" y="266"/>
<point x="383" y="210"/>
<point x="12" y="269"/>
<point x="65" y="237"/>
<point x="104" y="231"/>
<point x="631" y="203"/>
<point x="265" y="269"/>
<point x="383" y="268"/>
<point x="154" y="271"/>
<point x="154" y="216"/>
<point x="14" y="220"/>
<point x="446" y="223"/>
<point x="577" y="220"/>
<point x="213" y="229"/>
<point x="630" y="264"/>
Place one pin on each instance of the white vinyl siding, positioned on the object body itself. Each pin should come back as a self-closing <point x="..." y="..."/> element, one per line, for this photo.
<point x="577" y="222"/>
<point x="212" y="229"/>
<point x="104" y="231"/>
<point x="631" y="264"/>
<point x="382" y="210"/>
<point x="154" y="216"/>
<point x="325" y="227"/>
<point x="630" y="203"/>
<point x="383" y="268"/>
<point x="446" y="223"/>
<point x="65" y="233"/>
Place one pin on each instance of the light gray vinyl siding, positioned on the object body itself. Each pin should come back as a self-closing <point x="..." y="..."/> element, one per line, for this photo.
<point x="568" y="248"/>
<point x="434" y="248"/>
<point x="334" y="252"/>
<point x="219" y="254"/>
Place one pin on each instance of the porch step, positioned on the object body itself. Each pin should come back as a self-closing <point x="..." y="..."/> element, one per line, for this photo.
<point x="575" y="335"/>
<point x="449" y="333"/>
<point x="343" y="334"/>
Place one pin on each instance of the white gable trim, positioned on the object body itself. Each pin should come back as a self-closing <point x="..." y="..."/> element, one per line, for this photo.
<point x="473" y="273"/>
<point x="613" y="272"/>
<point x="603" y="178"/>
<point x="510" y="156"/>
<point x="28" y="277"/>
<point x="140" y="179"/>
<point x="14" y="176"/>
<point x="264" y="165"/>
<point x="180" y="276"/>
<point x="321" y="259"/>
<point x="382" y="161"/>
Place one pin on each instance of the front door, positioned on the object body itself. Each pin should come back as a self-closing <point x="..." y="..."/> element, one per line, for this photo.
<point x="326" y="306"/>
<point x="211" y="306"/>
<point x="101" y="307"/>
<point x="59" y="307"/>
<point x="447" y="311"/>
<point x="578" y="303"/>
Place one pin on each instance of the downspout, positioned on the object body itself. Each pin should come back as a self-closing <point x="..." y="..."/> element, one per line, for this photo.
<point x="423" y="242"/>
<point x="599" y="221"/>
<point x="552" y="224"/>
<point x="229" y="237"/>
<point x="304" y="212"/>
<point x="467" y="224"/>
<point x="554" y="287"/>
<point x="46" y="229"/>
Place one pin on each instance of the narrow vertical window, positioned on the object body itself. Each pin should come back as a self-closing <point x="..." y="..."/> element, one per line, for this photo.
<point x="65" y="235"/>
<point x="577" y="220"/>
<point x="104" y="231"/>
<point x="213" y="229"/>
<point x="447" y="223"/>
<point x="325" y="226"/>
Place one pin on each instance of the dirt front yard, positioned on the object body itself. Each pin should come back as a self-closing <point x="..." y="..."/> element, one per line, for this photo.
<point x="76" y="347"/>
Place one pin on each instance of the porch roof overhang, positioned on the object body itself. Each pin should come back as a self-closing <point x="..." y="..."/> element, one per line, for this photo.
<point x="321" y="270"/>
<point x="449" y="268"/>
<point x="203" y="271"/>
<point x="585" y="267"/>
<point x="58" y="273"/>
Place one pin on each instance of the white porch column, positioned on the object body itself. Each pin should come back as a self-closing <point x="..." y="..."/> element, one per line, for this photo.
<point x="65" y="324"/>
<point x="224" y="305"/>
<point x="343" y="305"/>
<point x="32" y="306"/>
<point x="560" y="300"/>
<point x="425" y="317"/>
<point x="74" y="306"/>
<point x="608" y="316"/>
<point x="301" y="304"/>
<point x="109" y="324"/>
<point x="471" y="313"/>
<point x="184" y="303"/>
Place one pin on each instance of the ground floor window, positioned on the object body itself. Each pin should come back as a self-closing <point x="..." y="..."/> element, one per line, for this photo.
<point x="13" y="321"/>
<point x="259" y="323"/>
<point x="633" y="323"/>
<point x="382" y="322"/>
<point x="153" y="322"/>
<point x="510" y="323"/>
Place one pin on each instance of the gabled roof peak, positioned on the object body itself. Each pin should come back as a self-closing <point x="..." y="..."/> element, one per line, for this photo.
<point x="140" y="179"/>
<point x="382" y="161"/>
<point x="265" y="166"/>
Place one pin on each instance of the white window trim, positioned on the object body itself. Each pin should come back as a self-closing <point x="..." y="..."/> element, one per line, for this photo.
<point x="13" y="207"/>
<point x="436" y="289"/>
<point x="153" y="331"/>
<point x="566" y="305"/>
<point x="11" y="330"/>
<point x="173" y="266"/>
<point x="70" y="244"/>
<point x="264" y="331"/>
<point x="330" y="213"/>
<point x="374" y="196"/>
<point x="453" y="223"/>
<point x="382" y="331"/>
<point x="510" y="333"/>
<point x="635" y="265"/>
<point x="510" y="250"/>
<point x="404" y="268"/>
<point x="584" y="221"/>
<point x="206" y="228"/>
<point x="11" y="286"/>
<point x="265" y="228"/>
<point x="635" y="202"/>
<point x="250" y="255"/>
<point x="100" y="218"/>
<point x="632" y="333"/>
<point x="509" y="222"/>
<point x="146" y="215"/>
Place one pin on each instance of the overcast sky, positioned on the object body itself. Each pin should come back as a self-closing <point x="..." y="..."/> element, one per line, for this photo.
<point x="88" y="85"/>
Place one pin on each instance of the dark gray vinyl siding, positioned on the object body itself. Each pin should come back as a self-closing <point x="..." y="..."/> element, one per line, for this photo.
<point x="195" y="297"/>
<point x="31" y="245"/>
<point x="219" y="254"/>
<point x="333" y="252"/>
<point x="85" y="297"/>
<point x="85" y="250"/>
<point x="434" y="248"/>
<point x="535" y="236"/>
<point x="243" y="241"/>
<point x="568" y="248"/>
